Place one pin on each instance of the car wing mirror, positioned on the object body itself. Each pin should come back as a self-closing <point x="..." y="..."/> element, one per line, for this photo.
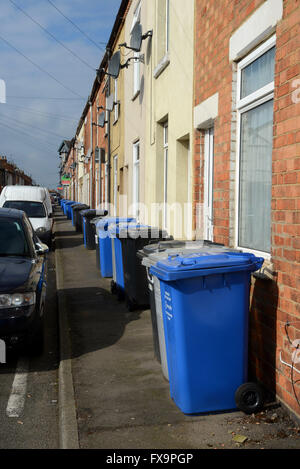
<point x="41" y="248"/>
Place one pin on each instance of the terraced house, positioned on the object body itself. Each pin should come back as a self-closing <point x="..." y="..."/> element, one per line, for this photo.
<point x="192" y="124"/>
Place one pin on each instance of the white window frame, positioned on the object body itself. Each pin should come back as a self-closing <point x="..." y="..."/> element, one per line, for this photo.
<point x="106" y="185"/>
<point x="136" y="179"/>
<point x="115" y="185"/>
<point x="255" y="99"/>
<point x="166" y="154"/>
<point x="208" y="183"/>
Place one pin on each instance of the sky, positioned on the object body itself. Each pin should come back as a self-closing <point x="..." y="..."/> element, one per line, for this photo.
<point x="48" y="76"/>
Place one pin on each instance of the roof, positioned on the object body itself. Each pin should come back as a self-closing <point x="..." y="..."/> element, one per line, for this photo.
<point x="28" y="193"/>
<point x="65" y="143"/>
<point x="11" y="213"/>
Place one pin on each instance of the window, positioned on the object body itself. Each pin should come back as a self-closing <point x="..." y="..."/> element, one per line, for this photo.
<point x="32" y="209"/>
<point x="106" y="185"/>
<point x="136" y="179"/>
<point x="115" y="184"/>
<point x="255" y="135"/>
<point x="136" y="62"/>
<point x="166" y="149"/>
<point x="208" y="183"/>
<point x="12" y="239"/>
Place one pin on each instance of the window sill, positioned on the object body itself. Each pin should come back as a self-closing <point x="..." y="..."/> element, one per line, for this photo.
<point x="163" y="64"/>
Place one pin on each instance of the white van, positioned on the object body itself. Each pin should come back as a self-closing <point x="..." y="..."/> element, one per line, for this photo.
<point x="36" y="203"/>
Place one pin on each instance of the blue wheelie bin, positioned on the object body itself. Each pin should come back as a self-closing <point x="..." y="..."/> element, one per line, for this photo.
<point x="66" y="205"/>
<point x="205" y="302"/>
<point x="105" y="246"/>
<point x="150" y="255"/>
<point x="69" y="210"/>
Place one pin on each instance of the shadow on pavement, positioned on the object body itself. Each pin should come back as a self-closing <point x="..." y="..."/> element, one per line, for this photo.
<point x="98" y="320"/>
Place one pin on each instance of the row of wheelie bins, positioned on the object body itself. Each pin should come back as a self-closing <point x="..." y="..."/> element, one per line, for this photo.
<point x="198" y="293"/>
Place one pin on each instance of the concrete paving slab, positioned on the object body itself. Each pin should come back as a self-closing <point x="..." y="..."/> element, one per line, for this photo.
<point x="119" y="394"/>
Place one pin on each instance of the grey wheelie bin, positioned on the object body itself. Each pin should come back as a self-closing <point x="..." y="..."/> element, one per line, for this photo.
<point x="133" y="239"/>
<point x="89" y="229"/>
<point x="150" y="255"/>
<point x="76" y="216"/>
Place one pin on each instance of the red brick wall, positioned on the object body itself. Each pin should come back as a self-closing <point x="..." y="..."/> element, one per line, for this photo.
<point x="272" y="302"/>
<point x="286" y="189"/>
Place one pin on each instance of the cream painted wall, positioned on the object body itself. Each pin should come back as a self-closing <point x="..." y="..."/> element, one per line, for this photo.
<point x="169" y="82"/>
<point x="135" y="109"/>
<point x="117" y="129"/>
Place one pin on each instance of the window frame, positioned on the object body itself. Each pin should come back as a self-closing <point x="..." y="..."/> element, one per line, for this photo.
<point x="136" y="148"/>
<point x="243" y="105"/>
<point x="166" y="157"/>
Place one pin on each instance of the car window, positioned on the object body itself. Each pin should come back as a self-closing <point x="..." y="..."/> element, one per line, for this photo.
<point x="12" y="239"/>
<point x="32" y="209"/>
<point x="31" y="231"/>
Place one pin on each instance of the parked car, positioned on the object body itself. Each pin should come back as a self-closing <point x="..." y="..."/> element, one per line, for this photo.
<point x="22" y="282"/>
<point x="36" y="203"/>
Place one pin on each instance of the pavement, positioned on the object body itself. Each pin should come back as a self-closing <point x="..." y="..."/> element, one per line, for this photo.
<point x="112" y="393"/>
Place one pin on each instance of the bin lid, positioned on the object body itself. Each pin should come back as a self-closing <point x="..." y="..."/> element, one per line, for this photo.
<point x="182" y="265"/>
<point x="95" y="220"/>
<point x="88" y="213"/>
<point x="151" y="257"/>
<point x="80" y="207"/>
<point x="137" y="230"/>
<point x="116" y="228"/>
<point x="163" y="245"/>
<point x="106" y="221"/>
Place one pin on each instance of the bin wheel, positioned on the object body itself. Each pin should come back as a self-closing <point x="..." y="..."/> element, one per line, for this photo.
<point x="130" y="305"/>
<point x="120" y="294"/>
<point x="249" y="398"/>
<point x="113" y="287"/>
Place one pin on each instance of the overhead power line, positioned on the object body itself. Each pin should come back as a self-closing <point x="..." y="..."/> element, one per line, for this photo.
<point x="52" y="36"/>
<point x="49" y="132"/>
<point x="40" y="68"/>
<point x="41" y="113"/>
<point x="77" y="27"/>
<point x="45" y="143"/>
<point x="45" y="98"/>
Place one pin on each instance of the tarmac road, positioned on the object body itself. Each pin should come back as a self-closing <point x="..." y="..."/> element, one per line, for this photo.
<point x="29" y="387"/>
